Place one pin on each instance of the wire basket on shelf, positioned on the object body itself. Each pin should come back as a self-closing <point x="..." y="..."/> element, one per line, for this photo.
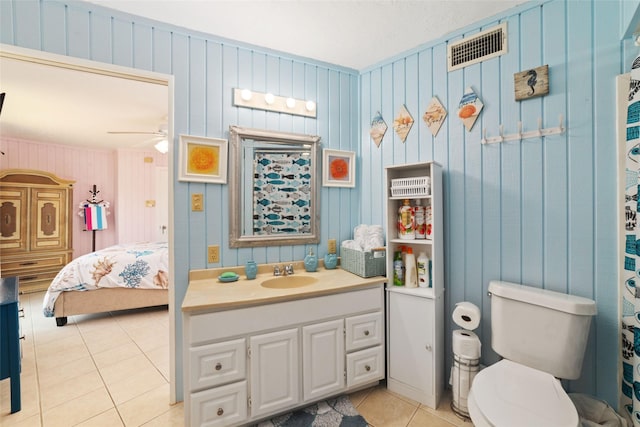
<point x="417" y="186"/>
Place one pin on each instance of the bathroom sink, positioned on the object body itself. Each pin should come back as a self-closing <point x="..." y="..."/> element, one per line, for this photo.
<point x="285" y="282"/>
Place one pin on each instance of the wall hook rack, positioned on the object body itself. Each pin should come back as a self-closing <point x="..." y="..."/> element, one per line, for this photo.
<point x="540" y="132"/>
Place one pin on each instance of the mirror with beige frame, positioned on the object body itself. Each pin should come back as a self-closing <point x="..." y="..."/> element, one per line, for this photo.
<point x="273" y="188"/>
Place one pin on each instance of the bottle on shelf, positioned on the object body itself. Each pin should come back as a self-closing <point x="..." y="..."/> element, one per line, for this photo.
<point x="406" y="221"/>
<point x="398" y="269"/>
<point x="424" y="271"/>
<point x="403" y="250"/>
<point x="411" y="274"/>
<point x="420" y="215"/>
<point x="429" y="222"/>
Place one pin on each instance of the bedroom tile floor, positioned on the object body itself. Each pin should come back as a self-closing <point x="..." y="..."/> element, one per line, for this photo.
<point x="113" y="370"/>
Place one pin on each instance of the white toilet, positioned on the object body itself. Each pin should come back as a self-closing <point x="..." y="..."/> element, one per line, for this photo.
<point x="541" y="336"/>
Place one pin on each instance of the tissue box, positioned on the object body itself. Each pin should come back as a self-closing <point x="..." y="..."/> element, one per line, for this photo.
<point x="364" y="264"/>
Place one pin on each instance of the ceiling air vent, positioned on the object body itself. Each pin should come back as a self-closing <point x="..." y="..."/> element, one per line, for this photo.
<point x="477" y="48"/>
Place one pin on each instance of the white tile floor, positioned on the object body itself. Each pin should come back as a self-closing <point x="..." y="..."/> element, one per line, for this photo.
<point x="113" y="370"/>
<point x="98" y="370"/>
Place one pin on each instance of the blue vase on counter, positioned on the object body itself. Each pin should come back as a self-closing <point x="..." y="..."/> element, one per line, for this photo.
<point x="251" y="269"/>
<point x="330" y="261"/>
<point x="310" y="262"/>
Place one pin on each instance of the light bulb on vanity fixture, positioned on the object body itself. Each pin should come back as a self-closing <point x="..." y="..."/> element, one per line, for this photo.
<point x="310" y="105"/>
<point x="246" y="94"/>
<point x="291" y="103"/>
<point x="269" y="98"/>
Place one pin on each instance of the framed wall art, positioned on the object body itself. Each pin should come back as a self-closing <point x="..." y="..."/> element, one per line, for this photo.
<point x="469" y="108"/>
<point x="531" y="83"/>
<point x="338" y="168"/>
<point x="378" y="128"/>
<point x="203" y="159"/>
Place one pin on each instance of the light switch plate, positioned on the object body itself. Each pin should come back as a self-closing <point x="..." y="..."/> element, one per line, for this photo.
<point x="196" y="202"/>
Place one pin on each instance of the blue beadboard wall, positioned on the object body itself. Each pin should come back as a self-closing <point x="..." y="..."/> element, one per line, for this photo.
<point x="205" y="70"/>
<point x="536" y="212"/>
<point x="539" y="212"/>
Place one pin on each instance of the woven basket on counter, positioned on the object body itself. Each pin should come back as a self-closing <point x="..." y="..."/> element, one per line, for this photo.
<point x="364" y="264"/>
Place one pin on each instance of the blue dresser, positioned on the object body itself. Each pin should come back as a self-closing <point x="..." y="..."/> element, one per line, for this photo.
<point x="10" y="338"/>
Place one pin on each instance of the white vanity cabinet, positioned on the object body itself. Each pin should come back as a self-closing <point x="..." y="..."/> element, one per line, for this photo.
<point x="323" y="359"/>
<point x="218" y="363"/>
<point x="365" y="354"/>
<point x="274" y="371"/>
<point x="415" y="316"/>
<point x="220" y="406"/>
<point x="245" y="364"/>
<point x="416" y="362"/>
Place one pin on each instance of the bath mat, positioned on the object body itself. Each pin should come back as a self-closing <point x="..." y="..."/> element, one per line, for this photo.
<point x="337" y="412"/>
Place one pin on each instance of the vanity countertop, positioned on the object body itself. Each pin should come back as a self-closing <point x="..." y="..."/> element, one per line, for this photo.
<point x="206" y="292"/>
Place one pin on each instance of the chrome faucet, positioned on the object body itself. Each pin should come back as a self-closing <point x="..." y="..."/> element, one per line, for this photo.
<point x="282" y="270"/>
<point x="277" y="270"/>
<point x="288" y="269"/>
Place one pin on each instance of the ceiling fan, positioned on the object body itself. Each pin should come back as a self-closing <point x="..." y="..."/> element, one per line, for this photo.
<point x="161" y="135"/>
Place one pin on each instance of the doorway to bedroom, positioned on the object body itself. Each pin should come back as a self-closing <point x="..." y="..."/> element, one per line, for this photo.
<point x="97" y="124"/>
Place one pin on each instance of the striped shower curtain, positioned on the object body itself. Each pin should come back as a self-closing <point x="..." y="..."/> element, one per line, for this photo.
<point x="631" y="268"/>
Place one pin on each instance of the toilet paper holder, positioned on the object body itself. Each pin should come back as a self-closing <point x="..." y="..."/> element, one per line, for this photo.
<point x="463" y="372"/>
<point x="466" y="346"/>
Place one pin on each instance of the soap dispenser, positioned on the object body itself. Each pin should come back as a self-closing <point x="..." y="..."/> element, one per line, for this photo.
<point x="310" y="261"/>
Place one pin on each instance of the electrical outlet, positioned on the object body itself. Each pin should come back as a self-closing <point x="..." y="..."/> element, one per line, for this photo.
<point x="213" y="254"/>
<point x="196" y="202"/>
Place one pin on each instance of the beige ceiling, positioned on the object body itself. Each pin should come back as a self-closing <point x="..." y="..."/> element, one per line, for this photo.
<point x="66" y="106"/>
<point x="351" y="33"/>
<point x="73" y="107"/>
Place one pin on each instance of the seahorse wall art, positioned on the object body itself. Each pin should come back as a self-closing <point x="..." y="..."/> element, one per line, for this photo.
<point x="531" y="83"/>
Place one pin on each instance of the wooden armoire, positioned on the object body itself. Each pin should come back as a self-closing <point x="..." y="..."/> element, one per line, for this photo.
<point x="35" y="226"/>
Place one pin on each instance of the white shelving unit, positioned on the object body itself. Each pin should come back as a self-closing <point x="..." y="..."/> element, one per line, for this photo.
<point x="415" y="323"/>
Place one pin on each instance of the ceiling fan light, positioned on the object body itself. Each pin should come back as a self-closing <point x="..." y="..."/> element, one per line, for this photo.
<point x="162" y="146"/>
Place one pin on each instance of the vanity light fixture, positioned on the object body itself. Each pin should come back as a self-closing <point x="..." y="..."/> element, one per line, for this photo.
<point x="270" y="102"/>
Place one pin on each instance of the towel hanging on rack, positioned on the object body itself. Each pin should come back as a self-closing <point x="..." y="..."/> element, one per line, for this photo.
<point x="94" y="212"/>
<point x="95" y="217"/>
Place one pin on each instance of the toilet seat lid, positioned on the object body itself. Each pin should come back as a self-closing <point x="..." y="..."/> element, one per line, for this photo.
<point x="535" y="399"/>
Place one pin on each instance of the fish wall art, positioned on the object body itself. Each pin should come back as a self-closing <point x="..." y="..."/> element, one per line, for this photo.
<point x="282" y="193"/>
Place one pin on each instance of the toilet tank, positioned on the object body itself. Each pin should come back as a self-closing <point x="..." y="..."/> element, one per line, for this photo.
<point x="542" y="329"/>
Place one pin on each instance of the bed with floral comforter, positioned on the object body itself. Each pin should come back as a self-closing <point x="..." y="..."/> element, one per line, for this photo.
<point x="138" y="266"/>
